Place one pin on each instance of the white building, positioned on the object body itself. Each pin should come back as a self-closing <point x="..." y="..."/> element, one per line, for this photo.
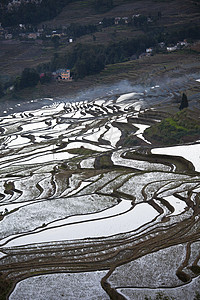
<point x="173" y="48"/>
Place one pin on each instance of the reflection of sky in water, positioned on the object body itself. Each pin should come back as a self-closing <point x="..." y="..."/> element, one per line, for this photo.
<point x="121" y="223"/>
<point x="189" y="152"/>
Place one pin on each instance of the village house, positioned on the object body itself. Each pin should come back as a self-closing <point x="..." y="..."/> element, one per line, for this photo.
<point x="22" y="26"/>
<point x="182" y="44"/>
<point x="57" y="34"/>
<point x="13" y="4"/>
<point x="32" y="35"/>
<point x="117" y="20"/>
<point x="149" y="51"/>
<point x="8" y="36"/>
<point x="22" y="35"/>
<point x="2" y="31"/>
<point x="125" y="20"/>
<point x="161" y="44"/>
<point x="172" y="48"/>
<point x="135" y="16"/>
<point x="65" y="75"/>
<point x="149" y="20"/>
<point x="38" y="34"/>
<point x="62" y="75"/>
<point x="40" y="30"/>
<point x="16" y="3"/>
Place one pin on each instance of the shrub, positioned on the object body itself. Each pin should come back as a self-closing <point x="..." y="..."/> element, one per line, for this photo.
<point x="28" y="78"/>
<point x="175" y="129"/>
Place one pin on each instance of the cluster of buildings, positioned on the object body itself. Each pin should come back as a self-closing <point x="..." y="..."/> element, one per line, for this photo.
<point x="23" y="32"/>
<point x="5" y="34"/>
<point x="42" y="34"/>
<point x="162" y="46"/>
<point x="178" y="45"/>
<point x="15" y="3"/>
<point x="127" y="20"/>
<point x="62" y="75"/>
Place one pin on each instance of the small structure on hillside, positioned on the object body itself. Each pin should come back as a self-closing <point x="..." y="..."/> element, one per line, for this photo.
<point x="2" y="31"/>
<point x="63" y="75"/>
<point x="125" y="20"/>
<point x="32" y="36"/>
<point x="8" y="36"/>
<point x="172" y="48"/>
<point x="161" y="45"/>
<point x="117" y="20"/>
<point x="149" y="51"/>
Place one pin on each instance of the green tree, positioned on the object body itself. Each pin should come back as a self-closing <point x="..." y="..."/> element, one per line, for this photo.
<point x="184" y="102"/>
<point x="28" y="78"/>
<point x="46" y="77"/>
<point x="80" y="69"/>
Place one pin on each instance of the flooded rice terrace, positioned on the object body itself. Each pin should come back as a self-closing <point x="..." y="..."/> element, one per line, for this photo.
<point x="90" y="209"/>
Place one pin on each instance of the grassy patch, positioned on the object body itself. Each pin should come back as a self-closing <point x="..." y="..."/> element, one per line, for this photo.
<point x="184" y="126"/>
<point x="9" y="186"/>
<point x="130" y="141"/>
<point x="103" y="162"/>
<point x="81" y="151"/>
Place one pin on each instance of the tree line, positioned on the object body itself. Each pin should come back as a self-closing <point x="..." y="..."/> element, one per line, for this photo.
<point x="34" y="13"/>
<point x="77" y="30"/>
<point x="31" y="13"/>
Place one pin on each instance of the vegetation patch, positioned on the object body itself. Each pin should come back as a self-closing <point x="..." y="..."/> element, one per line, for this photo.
<point x="184" y="126"/>
<point x="81" y="151"/>
<point x="9" y="187"/>
<point x="103" y="162"/>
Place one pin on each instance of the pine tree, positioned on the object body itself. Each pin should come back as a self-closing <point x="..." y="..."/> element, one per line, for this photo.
<point x="184" y="102"/>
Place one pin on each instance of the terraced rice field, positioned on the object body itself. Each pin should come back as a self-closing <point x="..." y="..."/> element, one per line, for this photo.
<point x="86" y="206"/>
